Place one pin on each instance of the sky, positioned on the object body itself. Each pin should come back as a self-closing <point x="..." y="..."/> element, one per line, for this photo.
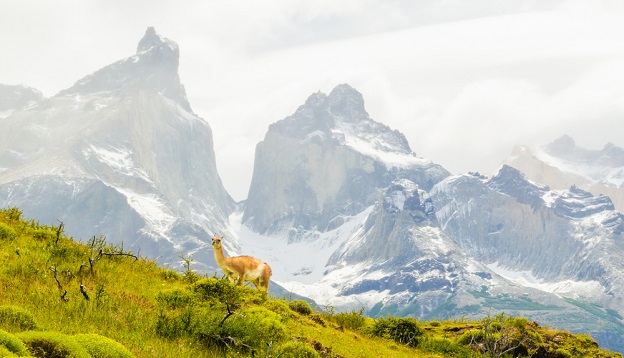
<point x="464" y="80"/>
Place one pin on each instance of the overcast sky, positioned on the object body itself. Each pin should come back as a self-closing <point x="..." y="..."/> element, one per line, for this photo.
<point x="464" y="80"/>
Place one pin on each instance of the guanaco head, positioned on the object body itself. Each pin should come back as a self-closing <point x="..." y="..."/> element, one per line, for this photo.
<point x="216" y="241"/>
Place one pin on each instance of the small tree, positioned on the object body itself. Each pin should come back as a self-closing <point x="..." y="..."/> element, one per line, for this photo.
<point x="498" y="336"/>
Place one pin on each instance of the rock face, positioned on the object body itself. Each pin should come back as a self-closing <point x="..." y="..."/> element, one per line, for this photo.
<point x="352" y="218"/>
<point x="119" y="153"/>
<point x="327" y="160"/>
<point x="562" y="164"/>
<point x="17" y="97"/>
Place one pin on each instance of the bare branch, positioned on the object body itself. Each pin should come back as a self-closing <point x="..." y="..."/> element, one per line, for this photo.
<point x="83" y="290"/>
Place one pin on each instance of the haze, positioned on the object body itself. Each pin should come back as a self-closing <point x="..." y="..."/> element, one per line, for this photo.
<point x="465" y="81"/>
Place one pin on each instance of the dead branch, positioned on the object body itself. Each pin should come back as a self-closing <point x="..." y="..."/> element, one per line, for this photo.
<point x="120" y="254"/>
<point x="58" y="233"/>
<point x="83" y="290"/>
<point x="230" y="312"/>
<point x="58" y="283"/>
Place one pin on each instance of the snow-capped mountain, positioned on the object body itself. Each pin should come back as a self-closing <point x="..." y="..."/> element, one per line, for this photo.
<point x="326" y="161"/>
<point x="350" y="217"/>
<point x="120" y="153"/>
<point x="562" y="164"/>
<point x="16" y="97"/>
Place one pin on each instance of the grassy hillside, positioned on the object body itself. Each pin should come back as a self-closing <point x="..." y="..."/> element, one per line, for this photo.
<point x="61" y="298"/>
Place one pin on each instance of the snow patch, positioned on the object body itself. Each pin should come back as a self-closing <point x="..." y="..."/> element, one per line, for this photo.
<point x="565" y="288"/>
<point x="151" y="208"/>
<point x="118" y="159"/>
<point x="375" y="146"/>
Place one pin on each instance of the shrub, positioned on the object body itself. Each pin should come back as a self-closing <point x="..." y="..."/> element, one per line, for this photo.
<point x="444" y="346"/>
<point x="170" y="275"/>
<point x="175" y="298"/>
<point x="176" y="324"/>
<point x="278" y="306"/>
<point x="16" y="319"/>
<point x="351" y="320"/>
<point x="250" y="330"/>
<point x="102" y="347"/>
<point x="7" y="232"/>
<point x="402" y="330"/>
<point x="43" y="234"/>
<point x="467" y="337"/>
<point x="12" y="344"/>
<point x="295" y="350"/>
<point x="300" y="306"/>
<point x="52" y="344"/>
<point x="217" y="291"/>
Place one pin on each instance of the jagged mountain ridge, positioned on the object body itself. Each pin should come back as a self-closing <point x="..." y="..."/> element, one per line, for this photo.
<point x="325" y="161"/>
<point x="562" y="164"/>
<point x="120" y="153"/>
<point x="412" y="240"/>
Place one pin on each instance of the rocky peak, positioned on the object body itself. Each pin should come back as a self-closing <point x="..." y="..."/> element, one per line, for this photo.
<point x="151" y="39"/>
<point x="346" y="102"/>
<point x="15" y="97"/>
<point x="512" y="182"/>
<point x="405" y="195"/>
<point x="576" y="203"/>
<point x="154" y="67"/>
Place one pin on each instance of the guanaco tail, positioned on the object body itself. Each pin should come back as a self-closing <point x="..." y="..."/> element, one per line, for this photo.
<point x="239" y="269"/>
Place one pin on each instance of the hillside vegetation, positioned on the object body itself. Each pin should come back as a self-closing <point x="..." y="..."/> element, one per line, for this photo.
<point x="62" y="298"/>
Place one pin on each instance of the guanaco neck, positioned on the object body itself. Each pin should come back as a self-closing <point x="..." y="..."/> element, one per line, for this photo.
<point x="219" y="256"/>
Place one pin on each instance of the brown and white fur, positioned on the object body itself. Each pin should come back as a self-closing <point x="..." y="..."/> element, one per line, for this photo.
<point x="239" y="269"/>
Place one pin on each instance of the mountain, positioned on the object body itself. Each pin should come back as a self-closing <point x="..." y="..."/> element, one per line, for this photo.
<point x="120" y="153"/>
<point x="326" y="161"/>
<point x="562" y="164"/>
<point x="349" y="216"/>
<point x="17" y="97"/>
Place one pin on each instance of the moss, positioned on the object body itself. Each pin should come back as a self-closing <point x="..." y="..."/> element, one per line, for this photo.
<point x="295" y="350"/>
<point x="12" y="344"/>
<point x="52" y="344"/>
<point x="102" y="347"/>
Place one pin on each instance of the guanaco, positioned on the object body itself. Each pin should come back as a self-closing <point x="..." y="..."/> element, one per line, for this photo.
<point x="239" y="269"/>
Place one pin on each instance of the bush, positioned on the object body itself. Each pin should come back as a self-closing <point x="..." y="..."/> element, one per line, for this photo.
<point x="176" y="324"/>
<point x="300" y="306"/>
<point x="350" y="320"/>
<point x="176" y="298"/>
<point x="278" y="306"/>
<point x="295" y="350"/>
<point x="7" y="232"/>
<point x="402" y="330"/>
<point x="218" y="291"/>
<point x="102" y="347"/>
<point x="467" y="337"/>
<point x="16" y="319"/>
<point x="52" y="344"/>
<point x="250" y="330"/>
<point x="12" y="344"/>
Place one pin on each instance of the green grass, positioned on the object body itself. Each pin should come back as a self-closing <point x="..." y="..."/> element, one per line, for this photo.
<point x="59" y="296"/>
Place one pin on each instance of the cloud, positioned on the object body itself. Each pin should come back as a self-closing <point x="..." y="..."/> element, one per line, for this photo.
<point x="465" y="81"/>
